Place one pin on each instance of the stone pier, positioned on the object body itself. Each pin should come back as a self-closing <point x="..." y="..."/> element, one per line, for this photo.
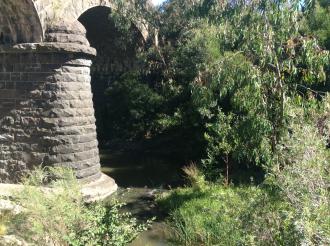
<point x="46" y="109"/>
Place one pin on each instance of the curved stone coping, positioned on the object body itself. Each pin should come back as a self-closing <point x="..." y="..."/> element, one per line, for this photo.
<point x="51" y="47"/>
<point x="99" y="189"/>
<point x="92" y="192"/>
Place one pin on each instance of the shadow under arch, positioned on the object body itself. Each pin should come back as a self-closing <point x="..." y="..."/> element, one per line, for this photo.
<point x="116" y="54"/>
<point x="20" y="23"/>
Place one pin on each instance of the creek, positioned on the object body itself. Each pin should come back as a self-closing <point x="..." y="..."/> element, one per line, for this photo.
<point x="140" y="178"/>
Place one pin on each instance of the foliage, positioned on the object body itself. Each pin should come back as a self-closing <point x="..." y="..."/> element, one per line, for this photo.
<point x="194" y="176"/>
<point x="3" y="223"/>
<point x="225" y="71"/>
<point x="233" y="109"/>
<point x="295" y="211"/>
<point x="301" y="174"/>
<point x="243" y="95"/>
<point x="290" y="208"/>
<point x="135" y="110"/>
<point x="57" y="214"/>
<point x="242" y="74"/>
<point x="318" y="21"/>
<point x="217" y="221"/>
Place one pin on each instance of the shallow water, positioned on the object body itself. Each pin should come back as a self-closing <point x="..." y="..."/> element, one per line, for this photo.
<point x="133" y="170"/>
<point x="156" y="236"/>
<point x="141" y="204"/>
<point x="140" y="180"/>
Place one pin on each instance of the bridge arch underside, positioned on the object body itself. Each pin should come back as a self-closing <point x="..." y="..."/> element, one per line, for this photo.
<point x="117" y="51"/>
<point x="19" y="22"/>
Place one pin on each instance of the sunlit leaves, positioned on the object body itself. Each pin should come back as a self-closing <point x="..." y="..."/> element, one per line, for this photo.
<point x="263" y="60"/>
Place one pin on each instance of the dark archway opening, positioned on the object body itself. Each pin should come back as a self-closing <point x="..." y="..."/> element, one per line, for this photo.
<point x="128" y="162"/>
<point x="116" y="54"/>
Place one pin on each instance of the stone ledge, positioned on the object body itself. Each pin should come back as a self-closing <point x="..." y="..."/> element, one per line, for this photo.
<point x="99" y="189"/>
<point x="49" y="48"/>
<point x="92" y="192"/>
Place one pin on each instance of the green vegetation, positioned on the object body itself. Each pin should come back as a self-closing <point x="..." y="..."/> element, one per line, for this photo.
<point x="224" y="77"/>
<point x="57" y="214"/>
<point x="238" y="88"/>
<point x="291" y="207"/>
<point x="318" y="21"/>
<point x="211" y="216"/>
<point x="3" y="222"/>
<point x="248" y="81"/>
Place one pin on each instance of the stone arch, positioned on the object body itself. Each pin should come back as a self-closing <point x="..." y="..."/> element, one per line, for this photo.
<point x="51" y="10"/>
<point x="83" y="6"/>
<point x="19" y="22"/>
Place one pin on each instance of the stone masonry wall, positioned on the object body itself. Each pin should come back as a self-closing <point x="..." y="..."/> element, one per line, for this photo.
<point x="46" y="109"/>
<point x="23" y="21"/>
<point x="51" y="10"/>
<point x="19" y="22"/>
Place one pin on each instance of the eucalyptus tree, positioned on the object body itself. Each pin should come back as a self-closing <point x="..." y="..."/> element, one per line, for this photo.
<point x="262" y="62"/>
<point x="229" y="69"/>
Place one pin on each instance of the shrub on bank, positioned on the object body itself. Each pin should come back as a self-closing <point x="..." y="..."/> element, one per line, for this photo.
<point x="59" y="216"/>
<point x="291" y="207"/>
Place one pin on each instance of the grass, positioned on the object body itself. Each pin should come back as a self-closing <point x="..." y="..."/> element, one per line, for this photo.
<point x="209" y="217"/>
<point x="247" y="215"/>
<point x="291" y="206"/>
<point x="59" y="216"/>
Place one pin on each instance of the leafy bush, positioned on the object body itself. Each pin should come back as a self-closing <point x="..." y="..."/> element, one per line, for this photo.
<point x="225" y="70"/>
<point x="291" y="207"/>
<point x="195" y="177"/>
<point x="243" y="96"/>
<point x="318" y="21"/>
<point x="302" y="177"/>
<point x="131" y="110"/>
<point x="295" y="210"/>
<point x="57" y="214"/>
<point x="222" y="215"/>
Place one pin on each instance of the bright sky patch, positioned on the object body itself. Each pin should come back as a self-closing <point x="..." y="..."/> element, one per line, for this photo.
<point x="157" y="2"/>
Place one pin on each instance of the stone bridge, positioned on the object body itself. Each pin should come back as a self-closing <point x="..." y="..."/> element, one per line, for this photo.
<point x="46" y="108"/>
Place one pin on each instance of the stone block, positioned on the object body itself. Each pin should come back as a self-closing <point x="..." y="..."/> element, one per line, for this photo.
<point x="9" y="85"/>
<point x="87" y="172"/>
